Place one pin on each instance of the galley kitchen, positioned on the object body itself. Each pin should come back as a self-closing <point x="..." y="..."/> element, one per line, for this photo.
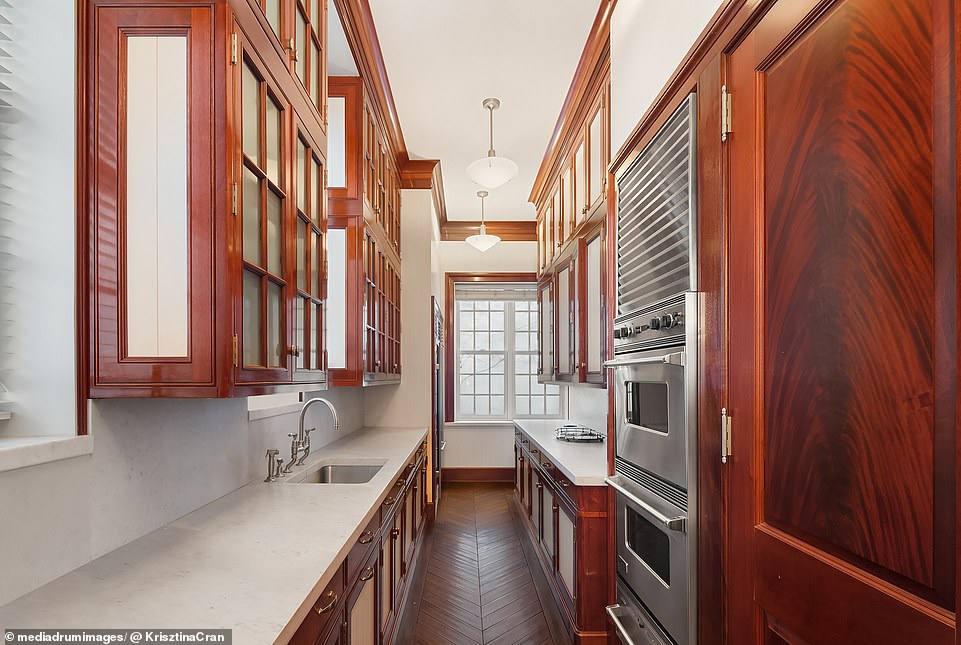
<point x="559" y="322"/>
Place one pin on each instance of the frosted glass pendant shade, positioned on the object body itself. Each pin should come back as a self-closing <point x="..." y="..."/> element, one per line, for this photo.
<point x="482" y="241"/>
<point x="492" y="172"/>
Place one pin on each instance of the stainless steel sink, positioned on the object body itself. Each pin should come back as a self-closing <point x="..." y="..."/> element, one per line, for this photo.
<point x="342" y="474"/>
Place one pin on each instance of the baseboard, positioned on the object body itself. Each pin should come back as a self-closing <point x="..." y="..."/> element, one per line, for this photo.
<point x="478" y="475"/>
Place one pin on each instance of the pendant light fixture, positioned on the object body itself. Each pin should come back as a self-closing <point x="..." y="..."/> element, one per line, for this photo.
<point x="482" y="241"/>
<point x="492" y="171"/>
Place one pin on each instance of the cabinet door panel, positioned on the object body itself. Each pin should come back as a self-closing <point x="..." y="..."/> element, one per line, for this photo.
<point x="566" y="564"/>
<point x="547" y="527"/>
<point x="843" y="330"/>
<point x="362" y="627"/>
<point x="152" y="197"/>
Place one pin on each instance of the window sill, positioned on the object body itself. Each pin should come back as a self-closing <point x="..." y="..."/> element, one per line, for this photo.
<point x="23" y="452"/>
<point x="500" y="423"/>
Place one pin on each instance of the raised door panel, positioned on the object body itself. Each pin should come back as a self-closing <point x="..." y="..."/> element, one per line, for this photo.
<point x="548" y="521"/>
<point x="843" y="305"/>
<point x="580" y="180"/>
<point x="362" y="606"/>
<point x="537" y="497"/>
<point x="566" y="548"/>
<point x="152" y="200"/>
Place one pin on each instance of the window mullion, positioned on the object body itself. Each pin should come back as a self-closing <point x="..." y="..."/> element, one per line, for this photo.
<point x="509" y="359"/>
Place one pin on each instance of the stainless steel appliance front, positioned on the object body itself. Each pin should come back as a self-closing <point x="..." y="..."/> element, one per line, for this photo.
<point x="633" y="624"/>
<point x="655" y="384"/>
<point x="655" y="555"/>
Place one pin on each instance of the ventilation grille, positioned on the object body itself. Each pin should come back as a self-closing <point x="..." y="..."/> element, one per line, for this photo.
<point x="661" y="488"/>
<point x="655" y="207"/>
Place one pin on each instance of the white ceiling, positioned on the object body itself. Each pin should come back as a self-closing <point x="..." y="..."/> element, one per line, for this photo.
<point x="444" y="57"/>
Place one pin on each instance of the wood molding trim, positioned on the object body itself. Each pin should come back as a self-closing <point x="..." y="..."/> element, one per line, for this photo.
<point x="426" y="174"/>
<point x="592" y="69"/>
<point x="450" y="279"/>
<point x="478" y="475"/>
<point x="507" y="230"/>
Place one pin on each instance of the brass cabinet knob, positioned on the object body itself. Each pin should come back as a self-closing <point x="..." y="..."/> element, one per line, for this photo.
<point x="332" y="600"/>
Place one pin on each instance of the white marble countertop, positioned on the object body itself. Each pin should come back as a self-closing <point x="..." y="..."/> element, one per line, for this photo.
<point x="253" y="561"/>
<point x="585" y="464"/>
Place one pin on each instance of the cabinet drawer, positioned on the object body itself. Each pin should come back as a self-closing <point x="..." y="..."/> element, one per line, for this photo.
<point x="323" y="613"/>
<point x="362" y="546"/>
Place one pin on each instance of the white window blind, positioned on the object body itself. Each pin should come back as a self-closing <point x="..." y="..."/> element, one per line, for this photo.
<point x="496" y="348"/>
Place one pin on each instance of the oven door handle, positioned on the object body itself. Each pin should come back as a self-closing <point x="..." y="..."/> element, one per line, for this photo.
<point x="615" y="611"/>
<point x="677" y="358"/>
<point x="678" y="524"/>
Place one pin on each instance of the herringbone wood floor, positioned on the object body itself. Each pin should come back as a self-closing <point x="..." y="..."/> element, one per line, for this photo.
<point x="478" y="587"/>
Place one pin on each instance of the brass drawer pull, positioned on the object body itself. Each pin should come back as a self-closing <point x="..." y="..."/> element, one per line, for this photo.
<point x="394" y="532"/>
<point x="330" y="605"/>
<point x="367" y="574"/>
<point x="366" y="537"/>
<point x="564" y="483"/>
<point x="388" y="501"/>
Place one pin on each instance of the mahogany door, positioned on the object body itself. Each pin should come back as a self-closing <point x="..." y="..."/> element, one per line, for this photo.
<point x="843" y="331"/>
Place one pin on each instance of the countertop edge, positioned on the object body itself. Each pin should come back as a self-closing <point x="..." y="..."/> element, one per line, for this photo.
<point x="293" y="624"/>
<point x="588" y="480"/>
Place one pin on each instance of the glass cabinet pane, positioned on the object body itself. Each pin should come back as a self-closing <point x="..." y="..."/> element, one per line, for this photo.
<point x="301" y="176"/>
<point x="562" y="298"/>
<point x="301" y="255"/>
<point x="300" y="331"/>
<point x="272" y="9"/>
<point x="253" y="319"/>
<point x="275" y="346"/>
<point x="274" y="233"/>
<point x="251" y="216"/>
<point x="596" y="163"/>
<point x="250" y="113"/>
<point x="594" y="287"/>
<point x="315" y="72"/>
<point x="580" y="184"/>
<point x="301" y="48"/>
<point x="314" y="335"/>
<point x="315" y="16"/>
<point x="273" y="141"/>
<point x="314" y="286"/>
<point x="567" y="201"/>
<point x="317" y="178"/>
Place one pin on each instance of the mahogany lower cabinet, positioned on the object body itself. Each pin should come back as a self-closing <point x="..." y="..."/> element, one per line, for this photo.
<point x="361" y="604"/>
<point x="568" y="527"/>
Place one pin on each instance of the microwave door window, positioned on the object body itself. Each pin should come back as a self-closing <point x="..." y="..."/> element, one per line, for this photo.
<point x="646" y="405"/>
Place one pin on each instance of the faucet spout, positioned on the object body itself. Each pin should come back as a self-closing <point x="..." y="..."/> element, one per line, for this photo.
<point x="303" y="436"/>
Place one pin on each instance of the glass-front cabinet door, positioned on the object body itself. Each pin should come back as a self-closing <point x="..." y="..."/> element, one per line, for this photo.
<point x="546" y="340"/>
<point x="593" y="313"/>
<point x="598" y="145"/>
<point x="310" y="266"/>
<point x="260" y="186"/>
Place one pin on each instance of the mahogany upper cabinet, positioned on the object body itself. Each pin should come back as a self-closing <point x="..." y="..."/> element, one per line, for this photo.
<point x="365" y="266"/>
<point x="205" y="211"/>
<point x="571" y="195"/>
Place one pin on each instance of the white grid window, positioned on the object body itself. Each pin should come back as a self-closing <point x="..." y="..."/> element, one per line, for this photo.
<point x="495" y="339"/>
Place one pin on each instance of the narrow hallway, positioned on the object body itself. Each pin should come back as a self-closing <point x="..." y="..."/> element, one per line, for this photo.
<point x="479" y="587"/>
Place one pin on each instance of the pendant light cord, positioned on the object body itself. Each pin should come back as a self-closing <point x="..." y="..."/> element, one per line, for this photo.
<point x="490" y="151"/>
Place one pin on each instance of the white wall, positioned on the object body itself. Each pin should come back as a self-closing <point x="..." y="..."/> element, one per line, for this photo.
<point x="588" y="406"/>
<point x="409" y="403"/>
<point x="649" y="38"/>
<point x="37" y="320"/>
<point x="153" y="461"/>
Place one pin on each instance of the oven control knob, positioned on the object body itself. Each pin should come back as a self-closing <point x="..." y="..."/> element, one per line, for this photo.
<point x="655" y="323"/>
<point x="617" y="333"/>
<point x="668" y="321"/>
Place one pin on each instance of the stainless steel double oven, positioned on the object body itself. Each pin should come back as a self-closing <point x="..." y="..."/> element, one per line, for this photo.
<point x="655" y="391"/>
<point x="655" y="381"/>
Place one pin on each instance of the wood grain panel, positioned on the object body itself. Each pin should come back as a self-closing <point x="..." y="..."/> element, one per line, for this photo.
<point x="850" y="289"/>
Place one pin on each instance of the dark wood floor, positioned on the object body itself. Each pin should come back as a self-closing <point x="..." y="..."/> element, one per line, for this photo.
<point x="478" y="586"/>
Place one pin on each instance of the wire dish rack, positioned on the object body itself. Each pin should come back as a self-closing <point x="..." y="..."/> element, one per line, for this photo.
<point x="577" y="434"/>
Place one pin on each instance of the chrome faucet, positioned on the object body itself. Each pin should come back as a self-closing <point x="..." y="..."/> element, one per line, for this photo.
<point x="300" y="442"/>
